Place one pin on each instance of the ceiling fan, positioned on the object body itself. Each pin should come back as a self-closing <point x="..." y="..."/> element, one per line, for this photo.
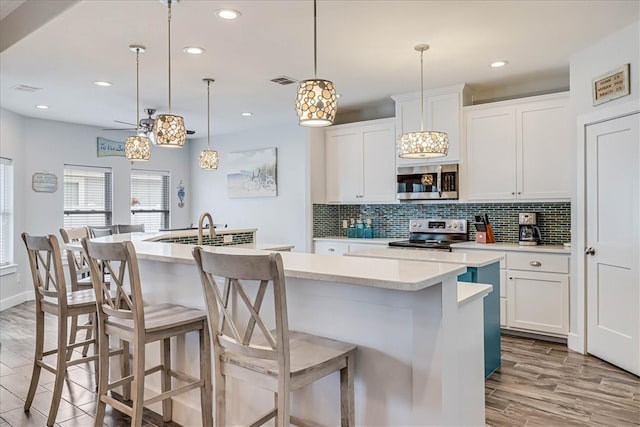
<point x="146" y="125"/>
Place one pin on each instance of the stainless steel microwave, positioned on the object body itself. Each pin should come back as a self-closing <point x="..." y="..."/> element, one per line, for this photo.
<point x="429" y="182"/>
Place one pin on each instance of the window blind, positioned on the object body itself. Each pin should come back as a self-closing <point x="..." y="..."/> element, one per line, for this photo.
<point x="6" y="211"/>
<point x="150" y="199"/>
<point x="87" y="196"/>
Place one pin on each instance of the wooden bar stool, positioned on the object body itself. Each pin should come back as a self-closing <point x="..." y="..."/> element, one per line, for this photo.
<point x="51" y="296"/>
<point x="80" y="281"/>
<point x="124" y="316"/>
<point x="130" y="228"/>
<point x="102" y="230"/>
<point x="278" y="360"/>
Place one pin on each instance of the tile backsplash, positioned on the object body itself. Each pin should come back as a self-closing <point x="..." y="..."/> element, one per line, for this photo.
<point x="554" y="218"/>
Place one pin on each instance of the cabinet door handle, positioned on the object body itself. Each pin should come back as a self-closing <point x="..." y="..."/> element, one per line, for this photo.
<point x="535" y="264"/>
<point x="590" y="251"/>
<point x="331" y="250"/>
<point x="519" y="192"/>
<point x="510" y="278"/>
<point x="513" y="193"/>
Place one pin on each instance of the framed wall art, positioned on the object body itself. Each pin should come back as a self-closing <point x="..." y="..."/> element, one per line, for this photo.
<point x="252" y="173"/>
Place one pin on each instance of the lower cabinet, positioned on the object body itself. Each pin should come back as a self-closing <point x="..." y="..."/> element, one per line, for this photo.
<point x="534" y="291"/>
<point x="341" y="247"/>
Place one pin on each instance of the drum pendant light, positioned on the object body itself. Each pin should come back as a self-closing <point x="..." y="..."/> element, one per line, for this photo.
<point x="423" y="144"/>
<point x="208" y="158"/>
<point x="169" y="129"/>
<point x="316" y="102"/>
<point x="138" y="147"/>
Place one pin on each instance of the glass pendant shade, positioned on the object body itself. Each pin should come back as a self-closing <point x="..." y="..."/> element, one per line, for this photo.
<point x="316" y="103"/>
<point x="423" y="145"/>
<point x="137" y="148"/>
<point x="169" y="131"/>
<point x="209" y="159"/>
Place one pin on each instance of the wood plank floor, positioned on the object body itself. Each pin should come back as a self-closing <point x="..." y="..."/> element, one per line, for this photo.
<point x="539" y="384"/>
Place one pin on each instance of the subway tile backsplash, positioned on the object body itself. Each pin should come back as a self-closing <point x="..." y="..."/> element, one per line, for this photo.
<point x="217" y="240"/>
<point x="554" y="218"/>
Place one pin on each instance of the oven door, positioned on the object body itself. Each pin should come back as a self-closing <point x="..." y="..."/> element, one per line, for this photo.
<point x="433" y="182"/>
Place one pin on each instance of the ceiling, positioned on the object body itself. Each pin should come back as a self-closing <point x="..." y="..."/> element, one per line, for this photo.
<point x="365" y="47"/>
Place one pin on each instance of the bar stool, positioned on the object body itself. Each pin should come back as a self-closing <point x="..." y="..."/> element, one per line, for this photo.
<point x="80" y="280"/>
<point x="51" y="296"/>
<point x="102" y="230"/>
<point x="130" y="228"/>
<point x="278" y="360"/>
<point x="126" y="318"/>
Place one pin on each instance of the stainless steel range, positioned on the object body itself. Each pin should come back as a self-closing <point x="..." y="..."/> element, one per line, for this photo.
<point x="435" y="234"/>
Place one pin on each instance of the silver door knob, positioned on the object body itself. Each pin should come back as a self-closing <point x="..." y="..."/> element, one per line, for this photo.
<point x="590" y="251"/>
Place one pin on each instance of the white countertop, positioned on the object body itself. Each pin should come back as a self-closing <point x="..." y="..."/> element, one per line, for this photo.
<point x="380" y="273"/>
<point x="415" y="254"/>
<point x="375" y="241"/>
<point x="513" y="247"/>
<point x="468" y="292"/>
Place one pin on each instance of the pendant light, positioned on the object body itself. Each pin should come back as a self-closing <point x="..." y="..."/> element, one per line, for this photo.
<point x="137" y="148"/>
<point x="168" y="129"/>
<point x="208" y="158"/>
<point x="316" y="102"/>
<point x="423" y="144"/>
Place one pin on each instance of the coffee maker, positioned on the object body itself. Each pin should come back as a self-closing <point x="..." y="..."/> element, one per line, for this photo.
<point x="529" y="234"/>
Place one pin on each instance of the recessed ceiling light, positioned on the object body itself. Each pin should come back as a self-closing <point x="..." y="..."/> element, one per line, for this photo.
<point x="339" y="95"/>
<point x="247" y="114"/>
<point x="498" y="64"/>
<point x="194" y="50"/>
<point x="228" y="14"/>
<point x="42" y="107"/>
<point x="102" y="83"/>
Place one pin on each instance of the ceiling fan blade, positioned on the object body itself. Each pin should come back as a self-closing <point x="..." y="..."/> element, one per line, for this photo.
<point x="125" y="123"/>
<point x="125" y="129"/>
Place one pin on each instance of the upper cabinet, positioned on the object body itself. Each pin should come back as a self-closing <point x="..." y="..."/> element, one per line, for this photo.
<point x="360" y="165"/>
<point x="443" y="112"/>
<point x="519" y="149"/>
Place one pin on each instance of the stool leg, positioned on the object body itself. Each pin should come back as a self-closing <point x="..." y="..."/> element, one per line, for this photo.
<point x="205" y="375"/>
<point x="347" y="400"/>
<point x="72" y="335"/>
<point x="220" y="395"/>
<point x="61" y="366"/>
<point x="103" y="375"/>
<point x="125" y="369"/>
<point x="165" y="378"/>
<point x="138" y="382"/>
<point x="283" y="410"/>
<point x="90" y="322"/>
<point x="37" y="358"/>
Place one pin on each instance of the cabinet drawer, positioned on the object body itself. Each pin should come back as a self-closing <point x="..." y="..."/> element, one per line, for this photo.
<point x="331" y="248"/>
<point x="503" y="312"/>
<point x="548" y="263"/>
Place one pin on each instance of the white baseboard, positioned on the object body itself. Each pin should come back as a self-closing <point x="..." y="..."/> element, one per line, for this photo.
<point x="16" y="299"/>
<point x="575" y="343"/>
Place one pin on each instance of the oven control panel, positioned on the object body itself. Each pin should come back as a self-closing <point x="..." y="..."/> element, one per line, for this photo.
<point x="438" y="226"/>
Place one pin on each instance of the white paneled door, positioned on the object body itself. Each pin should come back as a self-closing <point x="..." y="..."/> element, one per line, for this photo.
<point x="613" y="241"/>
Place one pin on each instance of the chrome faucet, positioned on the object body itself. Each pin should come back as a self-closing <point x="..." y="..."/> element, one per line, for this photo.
<point x="212" y="231"/>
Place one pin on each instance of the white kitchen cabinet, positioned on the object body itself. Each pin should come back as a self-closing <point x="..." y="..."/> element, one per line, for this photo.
<point x="331" y="248"/>
<point x="534" y="287"/>
<point x="338" y="246"/>
<point x="443" y="112"/>
<point x="519" y="149"/>
<point x="360" y="165"/>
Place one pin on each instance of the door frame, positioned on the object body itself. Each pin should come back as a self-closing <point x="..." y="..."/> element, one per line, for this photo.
<point x="577" y="338"/>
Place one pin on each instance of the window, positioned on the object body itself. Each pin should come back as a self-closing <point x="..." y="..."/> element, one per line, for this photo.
<point x="87" y="196"/>
<point x="150" y="199"/>
<point x="6" y="211"/>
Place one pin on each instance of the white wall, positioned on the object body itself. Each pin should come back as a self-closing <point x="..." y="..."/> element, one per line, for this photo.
<point x="281" y="219"/>
<point x="46" y="146"/>
<point x="609" y="53"/>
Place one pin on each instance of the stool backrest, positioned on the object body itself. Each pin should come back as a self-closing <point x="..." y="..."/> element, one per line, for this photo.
<point x="130" y="228"/>
<point x="47" y="272"/>
<point x="120" y="262"/>
<point x="101" y="231"/>
<point x="233" y="326"/>
<point x="78" y="266"/>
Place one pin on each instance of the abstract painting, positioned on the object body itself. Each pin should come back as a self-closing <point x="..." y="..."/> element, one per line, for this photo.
<point x="252" y="173"/>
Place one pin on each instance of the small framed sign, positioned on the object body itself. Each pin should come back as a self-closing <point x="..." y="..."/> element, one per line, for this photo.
<point x="106" y="147"/>
<point x="611" y="85"/>
<point x="43" y="182"/>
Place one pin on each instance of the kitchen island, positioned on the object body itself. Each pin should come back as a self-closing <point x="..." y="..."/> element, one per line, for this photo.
<point x="402" y="315"/>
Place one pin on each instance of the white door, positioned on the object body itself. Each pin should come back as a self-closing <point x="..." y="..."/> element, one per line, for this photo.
<point x="613" y="241"/>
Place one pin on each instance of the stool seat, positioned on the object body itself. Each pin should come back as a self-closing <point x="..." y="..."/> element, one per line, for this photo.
<point x="162" y="317"/>
<point x="75" y="299"/>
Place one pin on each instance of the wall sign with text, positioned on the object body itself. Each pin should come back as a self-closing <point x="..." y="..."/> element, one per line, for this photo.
<point x="107" y="148"/>
<point x="44" y="182"/>
<point x="611" y="85"/>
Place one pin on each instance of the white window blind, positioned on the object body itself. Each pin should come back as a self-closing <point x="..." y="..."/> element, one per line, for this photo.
<point x="150" y="199"/>
<point x="6" y="211"/>
<point x="87" y="196"/>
